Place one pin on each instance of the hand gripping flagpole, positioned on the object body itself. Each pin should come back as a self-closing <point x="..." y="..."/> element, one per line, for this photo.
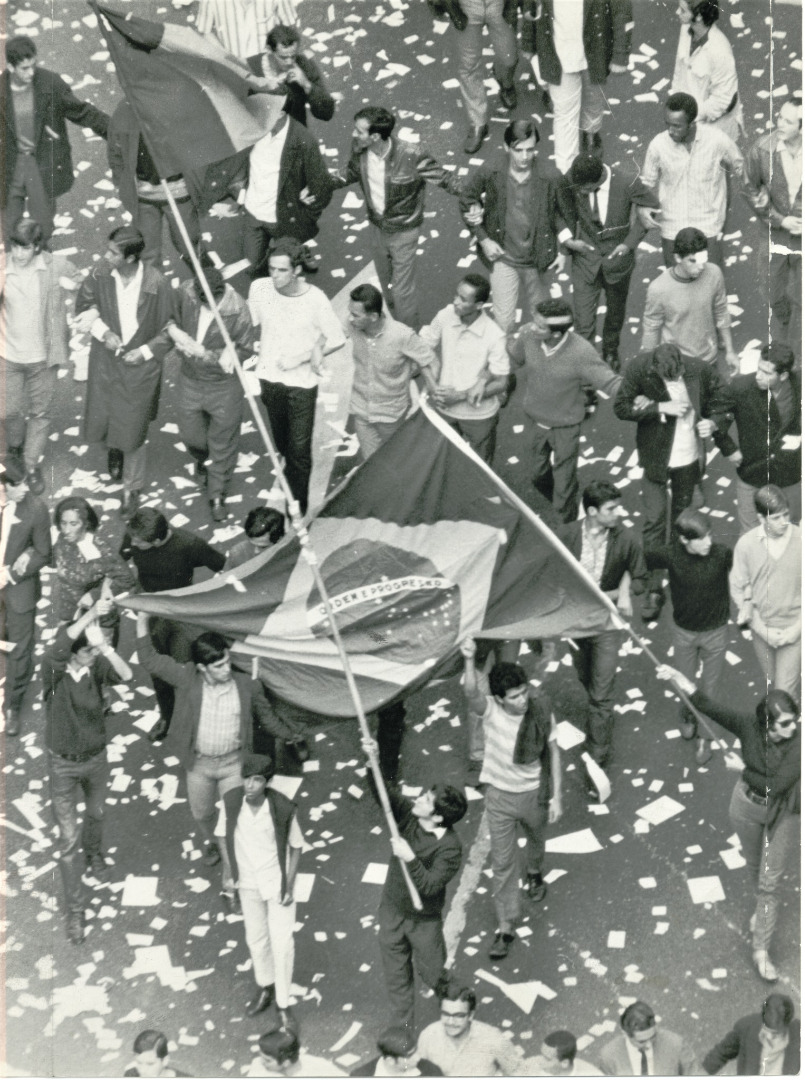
<point x="302" y="533"/>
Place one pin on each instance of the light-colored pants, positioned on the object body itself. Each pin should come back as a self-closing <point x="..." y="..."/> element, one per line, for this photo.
<point x="207" y="782"/>
<point x="506" y="281"/>
<point x="269" y="935"/>
<point x="210" y="412"/>
<point x="29" y="397"/>
<point x="471" y="68"/>
<point x="707" y="646"/>
<point x="767" y="856"/>
<point x="781" y="666"/>
<point x="505" y="810"/>
<point x="372" y="436"/>
<point x="747" y="514"/>
<point x="394" y="255"/>
<point x="578" y="104"/>
<point x="134" y="469"/>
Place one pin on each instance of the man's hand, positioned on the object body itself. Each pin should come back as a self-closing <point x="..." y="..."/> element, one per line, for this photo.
<point x="641" y="402"/>
<point x="625" y="605"/>
<point x="733" y="362"/>
<point x="474" y="216"/>
<point x="133" y="357"/>
<point x="619" y="251"/>
<point x="618" y="69"/>
<point x="578" y="245"/>
<point x="792" y="224"/>
<point x="744" y="616"/>
<point x="112" y="341"/>
<point x="21" y="565"/>
<point x="554" y="809"/>
<point x="448" y="395"/>
<point x="476" y="392"/>
<point x="736" y="458"/>
<point x="491" y="248"/>
<point x="296" y="75"/>
<point x="761" y="200"/>
<point x="287" y="897"/>
<point x="142" y="624"/>
<point x="370" y="748"/>
<point x="402" y="849"/>
<point x="95" y="636"/>
<point x="558" y="263"/>
<point x="306" y="198"/>
<point x="317" y="359"/>
<point x="468" y="648"/>
<point x="705" y="428"/>
<point x="665" y="673"/>
<point x="649" y="216"/>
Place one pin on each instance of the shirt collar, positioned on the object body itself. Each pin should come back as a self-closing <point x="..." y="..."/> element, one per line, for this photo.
<point x="136" y="280"/>
<point x="37" y="263"/>
<point x="77" y="674"/>
<point x="557" y="347"/>
<point x="478" y="327"/>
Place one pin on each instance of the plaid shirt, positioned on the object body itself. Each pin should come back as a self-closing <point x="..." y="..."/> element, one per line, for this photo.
<point x="219" y="722"/>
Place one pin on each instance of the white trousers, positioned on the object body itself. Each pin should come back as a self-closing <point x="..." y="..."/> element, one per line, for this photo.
<point x="577" y="104"/>
<point x="269" y="935"/>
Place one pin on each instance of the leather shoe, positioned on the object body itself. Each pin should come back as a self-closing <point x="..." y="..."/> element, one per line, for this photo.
<point x="703" y="752"/>
<point x="544" y="99"/>
<point x="614" y="361"/>
<point x="262" y="1001"/>
<point x="97" y="868"/>
<point x="212" y="855"/>
<point x="231" y="902"/>
<point x="36" y="481"/>
<point x="158" y="731"/>
<point x="217" y="509"/>
<point x="537" y="889"/>
<point x="652" y="606"/>
<point x="75" y="928"/>
<point x="12" y="722"/>
<point x="310" y="261"/>
<point x="499" y="948"/>
<point x="475" y="136"/>
<point x="688" y="729"/>
<point x="200" y="470"/>
<point x="288" y="1021"/>
<point x="508" y="97"/>
<point x="114" y="465"/>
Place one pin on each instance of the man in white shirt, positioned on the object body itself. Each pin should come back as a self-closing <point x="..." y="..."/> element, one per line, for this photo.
<point x="705" y="67"/>
<point x="280" y="1055"/>
<point x="474" y="365"/>
<point x="557" y="1057"/>
<point x="460" y="1045"/>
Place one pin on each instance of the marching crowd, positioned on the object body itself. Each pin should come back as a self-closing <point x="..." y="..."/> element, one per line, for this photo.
<point x="531" y="212"/>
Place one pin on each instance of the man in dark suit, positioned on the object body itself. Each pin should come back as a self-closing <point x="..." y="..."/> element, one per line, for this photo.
<point x="294" y="74"/>
<point x="766" y="1044"/>
<point x="24" y="549"/>
<point x="607" y="232"/>
<point x="37" y="166"/>
<point x="646" y="1050"/>
<point x="675" y="401"/>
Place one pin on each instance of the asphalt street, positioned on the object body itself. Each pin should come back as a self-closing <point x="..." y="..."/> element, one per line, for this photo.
<point x="671" y="892"/>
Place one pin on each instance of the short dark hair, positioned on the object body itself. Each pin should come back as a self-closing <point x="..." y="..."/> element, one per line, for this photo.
<point x="506" y="676"/>
<point x="518" y="131"/>
<point x="130" y="241"/>
<point x="454" y="991"/>
<point x="692" y="525"/>
<point x="396" y="1042"/>
<point x="586" y="169"/>
<point x="777" y="1011"/>
<point x="479" y="285"/>
<point x="771" y="499"/>
<point x="79" y="643"/>
<point x="216" y="281"/>
<point x="18" y="49"/>
<point x="564" y="1043"/>
<point x="774" y="705"/>
<point x="208" y="648"/>
<point x="666" y="361"/>
<point x="706" y="9"/>
<point x="84" y="510"/>
<point x="291" y="248"/>
<point x="265" y="521"/>
<point x="257" y="765"/>
<point x="597" y="493"/>
<point x="554" y="309"/>
<point x="380" y="120"/>
<point x="781" y="355"/>
<point x="682" y="102"/>
<point x="282" y="35"/>
<point x="637" y="1017"/>
<point x="13" y="472"/>
<point x="148" y="524"/>
<point x="370" y="297"/>
<point x="281" y="1045"/>
<point x="449" y="803"/>
<point x="27" y="233"/>
<point x="689" y="241"/>
<point x="151" y="1040"/>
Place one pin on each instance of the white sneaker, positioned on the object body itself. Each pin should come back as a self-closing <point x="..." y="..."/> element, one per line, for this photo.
<point x="765" y="966"/>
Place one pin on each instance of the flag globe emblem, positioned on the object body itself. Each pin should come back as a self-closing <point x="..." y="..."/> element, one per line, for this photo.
<point x="387" y="601"/>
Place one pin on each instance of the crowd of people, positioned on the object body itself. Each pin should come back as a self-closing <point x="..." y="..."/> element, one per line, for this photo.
<point x="528" y="211"/>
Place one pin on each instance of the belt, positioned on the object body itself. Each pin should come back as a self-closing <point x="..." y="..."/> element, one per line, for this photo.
<point x="754" y="796"/>
<point x="77" y="758"/>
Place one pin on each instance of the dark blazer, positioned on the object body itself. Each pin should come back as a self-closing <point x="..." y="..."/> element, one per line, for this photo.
<point x="623" y="552"/>
<point x="742" y="1043"/>
<point x="655" y="431"/>
<point x="282" y="810"/>
<point x="254" y="707"/>
<point x="32" y="534"/>
<point x="607" y="38"/>
<point x="426" y="1068"/>
<point x="54" y="104"/>
<point x="552" y="208"/>
<point x="622" y="226"/>
<point x="760" y="432"/>
<point x="321" y="101"/>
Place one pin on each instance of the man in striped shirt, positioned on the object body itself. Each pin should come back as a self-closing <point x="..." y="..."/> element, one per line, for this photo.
<point x="521" y="767"/>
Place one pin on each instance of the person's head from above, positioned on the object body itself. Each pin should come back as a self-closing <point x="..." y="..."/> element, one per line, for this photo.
<point x="694" y="532"/>
<point x="83" y="652"/>
<point x="210" y="653"/>
<point x="776" y="1016"/>
<point x="25" y="242"/>
<point x="779" y="715"/>
<point x="775" y="366"/>
<point x="681" y="111"/>
<point x="773" y="510"/>
<point x="587" y="173"/>
<point x="215" y="281"/>
<point x="789" y="119"/>
<point x="74" y="518"/>
<point x="602" y="503"/>
<point x="264" y="526"/>
<point x="552" y="320"/>
<point x="371" y="127"/>
<point x="690" y="253"/>
<point x="150" y="1053"/>
<point x="639" y="1025"/>
<point x="509" y="687"/>
<point x="520" y="142"/>
<point x="13" y="481"/>
<point x="21" y="60"/>
<point x="440" y="807"/>
<point x="285" y="44"/>
<point x="365" y="308"/>
<point x="285" y="261"/>
<point x="148" y="528"/>
<point x="557" y="1054"/>
<point x="457" y="1008"/>
<point x="472" y="293"/>
<point x="279" y="1049"/>
<point x="397" y="1046"/>
<point x="698" y="14"/>
<point x="256" y="770"/>
<point x="124" y="248"/>
<point x="666" y="361"/>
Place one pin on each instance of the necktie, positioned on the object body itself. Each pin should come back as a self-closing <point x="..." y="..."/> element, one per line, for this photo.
<point x="643" y="1063"/>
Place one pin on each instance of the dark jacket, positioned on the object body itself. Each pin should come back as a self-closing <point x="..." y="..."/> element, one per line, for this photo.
<point x="760" y="432"/>
<point x="532" y="741"/>
<point x="321" y="101"/>
<point x="742" y="1043"/>
<point x="622" y="226"/>
<point x="552" y="207"/>
<point x="32" y="534"/>
<point x="408" y="169"/>
<point x="282" y="811"/>
<point x="623" y="552"/>
<point x="254" y="707"/>
<point x="426" y="1068"/>
<point x="236" y="318"/>
<point x="607" y="38"/>
<point x="655" y="430"/>
<point x="54" y="104"/>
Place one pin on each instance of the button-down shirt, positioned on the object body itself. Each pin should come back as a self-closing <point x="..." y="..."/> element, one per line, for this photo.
<point x="127" y="296"/>
<point x="772" y="1056"/>
<point x="466" y="352"/>
<point x="385" y="363"/>
<point x="24" y="291"/>
<point x="256" y="851"/>
<point x="593" y="552"/>
<point x="690" y="180"/>
<point x="376" y="179"/>
<point x="264" y="174"/>
<point x="568" y="35"/>
<point x="218" y="730"/>
<point x="791" y="162"/>
<point x="685" y="447"/>
<point x="480" y="1051"/>
<point x="706" y="72"/>
<point x="635" y="1059"/>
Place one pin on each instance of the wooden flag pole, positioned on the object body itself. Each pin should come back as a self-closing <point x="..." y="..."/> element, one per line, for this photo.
<point x="302" y="533"/>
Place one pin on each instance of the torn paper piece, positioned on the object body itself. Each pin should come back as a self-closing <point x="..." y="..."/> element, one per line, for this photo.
<point x="583" y="842"/>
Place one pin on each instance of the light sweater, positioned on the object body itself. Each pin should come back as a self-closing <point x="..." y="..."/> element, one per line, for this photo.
<point x="686" y="313"/>
<point x="774" y="584"/>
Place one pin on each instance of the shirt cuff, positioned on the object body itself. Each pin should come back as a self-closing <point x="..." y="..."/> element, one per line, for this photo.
<point x="564" y="236"/>
<point x="145" y="350"/>
<point x="99" y="329"/>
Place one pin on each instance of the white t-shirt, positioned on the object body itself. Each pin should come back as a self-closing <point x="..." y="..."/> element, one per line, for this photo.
<point x="290" y="326"/>
<point x="256" y="851"/>
<point x="685" y="447"/>
<point x="568" y="35"/>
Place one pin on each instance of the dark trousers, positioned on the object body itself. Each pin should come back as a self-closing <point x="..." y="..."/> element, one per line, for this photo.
<point x="655" y="507"/>
<point x="17" y="627"/>
<point x="557" y="480"/>
<point x="585" y="308"/>
<point x="291" y="414"/>
<point x="27" y="185"/>
<point x="70" y="782"/>
<point x="596" y="661"/>
<point x="390" y="732"/>
<point x="257" y="238"/>
<point x="403" y="940"/>
<point x="480" y="434"/>
<point x="170" y="639"/>
<point x="150" y="216"/>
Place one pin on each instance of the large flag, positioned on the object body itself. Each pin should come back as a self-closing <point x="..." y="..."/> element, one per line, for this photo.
<point x="190" y="96"/>
<point x="419" y="548"/>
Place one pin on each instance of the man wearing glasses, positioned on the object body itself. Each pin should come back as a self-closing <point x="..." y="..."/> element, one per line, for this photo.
<point x="460" y="1045"/>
